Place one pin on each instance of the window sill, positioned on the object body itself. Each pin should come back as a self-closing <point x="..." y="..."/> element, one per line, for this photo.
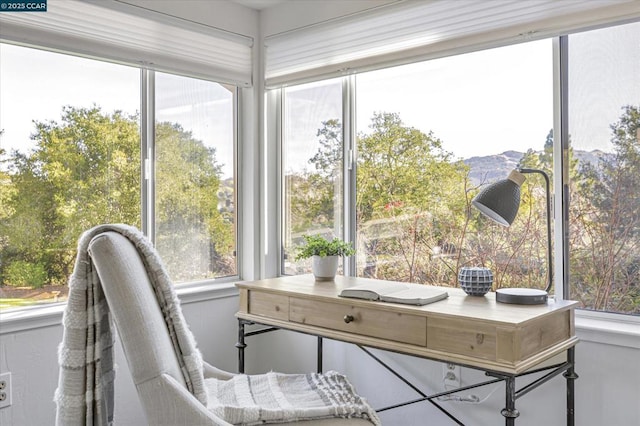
<point x="51" y="314"/>
<point x="608" y="329"/>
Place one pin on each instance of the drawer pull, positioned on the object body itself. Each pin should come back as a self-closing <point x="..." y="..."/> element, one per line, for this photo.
<point x="348" y="318"/>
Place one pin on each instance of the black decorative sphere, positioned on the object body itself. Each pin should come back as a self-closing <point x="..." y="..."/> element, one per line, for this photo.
<point x="475" y="281"/>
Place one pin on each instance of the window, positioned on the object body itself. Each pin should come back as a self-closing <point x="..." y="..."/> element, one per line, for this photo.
<point x="429" y="135"/>
<point x="312" y="167"/>
<point x="604" y="172"/>
<point x="71" y="151"/>
<point x="195" y="190"/>
<point x="70" y="159"/>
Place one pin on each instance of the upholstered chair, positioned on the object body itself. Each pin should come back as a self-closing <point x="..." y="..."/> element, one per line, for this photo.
<point x="148" y="346"/>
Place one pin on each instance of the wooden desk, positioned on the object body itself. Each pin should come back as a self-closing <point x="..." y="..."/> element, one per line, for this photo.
<point x="503" y="340"/>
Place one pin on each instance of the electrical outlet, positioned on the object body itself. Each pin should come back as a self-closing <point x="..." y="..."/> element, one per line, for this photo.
<point x="451" y="375"/>
<point x="5" y="390"/>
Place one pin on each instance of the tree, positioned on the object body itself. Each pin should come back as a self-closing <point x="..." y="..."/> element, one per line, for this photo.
<point x="315" y="192"/>
<point x="194" y="238"/>
<point x="328" y="158"/>
<point x="415" y="222"/>
<point x="605" y="262"/>
<point x="312" y="196"/>
<point x="7" y="192"/>
<point x="410" y="196"/>
<point x="410" y="200"/>
<point x="85" y="170"/>
<point x="82" y="171"/>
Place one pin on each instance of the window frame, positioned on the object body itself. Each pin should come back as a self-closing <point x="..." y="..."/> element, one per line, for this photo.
<point x="50" y="310"/>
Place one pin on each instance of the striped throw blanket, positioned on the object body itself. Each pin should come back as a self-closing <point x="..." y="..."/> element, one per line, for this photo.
<point x="85" y="385"/>
<point x="275" y="397"/>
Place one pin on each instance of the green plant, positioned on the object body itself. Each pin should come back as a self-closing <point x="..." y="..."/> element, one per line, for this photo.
<point x="317" y="245"/>
<point x="26" y="274"/>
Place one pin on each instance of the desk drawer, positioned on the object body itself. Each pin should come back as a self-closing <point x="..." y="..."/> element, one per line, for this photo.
<point x="373" y="322"/>
<point x="269" y="305"/>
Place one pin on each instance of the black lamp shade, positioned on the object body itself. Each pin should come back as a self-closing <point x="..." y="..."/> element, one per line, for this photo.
<point x="500" y="201"/>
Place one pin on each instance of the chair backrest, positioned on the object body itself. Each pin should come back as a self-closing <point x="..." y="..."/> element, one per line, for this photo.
<point x="143" y="332"/>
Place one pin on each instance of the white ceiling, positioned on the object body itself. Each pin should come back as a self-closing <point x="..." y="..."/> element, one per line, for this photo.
<point x="259" y="4"/>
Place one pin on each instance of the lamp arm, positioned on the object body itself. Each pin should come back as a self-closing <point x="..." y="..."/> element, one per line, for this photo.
<point x="548" y="191"/>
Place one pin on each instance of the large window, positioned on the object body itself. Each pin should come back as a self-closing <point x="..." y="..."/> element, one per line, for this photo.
<point x="312" y="167"/>
<point x="71" y="154"/>
<point x="604" y="172"/>
<point x="429" y="136"/>
<point x="195" y="190"/>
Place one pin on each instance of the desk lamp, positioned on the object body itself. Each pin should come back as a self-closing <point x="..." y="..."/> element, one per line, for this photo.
<point x="500" y="202"/>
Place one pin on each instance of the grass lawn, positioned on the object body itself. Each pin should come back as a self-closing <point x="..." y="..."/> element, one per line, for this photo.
<point x="15" y="303"/>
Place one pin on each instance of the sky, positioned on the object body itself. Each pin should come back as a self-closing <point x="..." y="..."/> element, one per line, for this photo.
<point x="604" y="77"/>
<point x="35" y="85"/>
<point x="478" y="104"/>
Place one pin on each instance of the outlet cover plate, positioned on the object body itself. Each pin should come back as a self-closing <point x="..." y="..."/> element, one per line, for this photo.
<point x="5" y="390"/>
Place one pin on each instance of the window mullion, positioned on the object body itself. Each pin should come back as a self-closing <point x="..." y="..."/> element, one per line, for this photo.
<point x="147" y="152"/>
<point x="349" y="167"/>
<point x="561" y="167"/>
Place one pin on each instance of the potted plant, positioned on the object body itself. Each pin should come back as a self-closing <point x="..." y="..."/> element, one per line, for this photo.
<point x="325" y="255"/>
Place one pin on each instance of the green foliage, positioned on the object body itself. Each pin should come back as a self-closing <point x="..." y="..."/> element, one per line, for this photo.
<point x="85" y="170"/>
<point x="402" y="167"/>
<point x="25" y="274"/>
<point x="328" y="159"/>
<point x="188" y="221"/>
<point x="411" y="199"/>
<point x="316" y="245"/>
<point x="413" y="209"/>
<point x="311" y="200"/>
<point x="312" y="194"/>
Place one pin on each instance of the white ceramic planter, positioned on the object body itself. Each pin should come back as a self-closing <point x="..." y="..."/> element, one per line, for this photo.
<point x="325" y="268"/>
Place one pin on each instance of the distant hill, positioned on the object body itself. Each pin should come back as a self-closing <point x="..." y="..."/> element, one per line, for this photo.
<point x="493" y="167"/>
<point x="489" y="168"/>
<point x="593" y="157"/>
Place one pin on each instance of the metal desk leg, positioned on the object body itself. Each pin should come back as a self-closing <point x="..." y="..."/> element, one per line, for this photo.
<point x="319" y="361"/>
<point x="571" y="377"/>
<point x="509" y="412"/>
<point x="241" y="345"/>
